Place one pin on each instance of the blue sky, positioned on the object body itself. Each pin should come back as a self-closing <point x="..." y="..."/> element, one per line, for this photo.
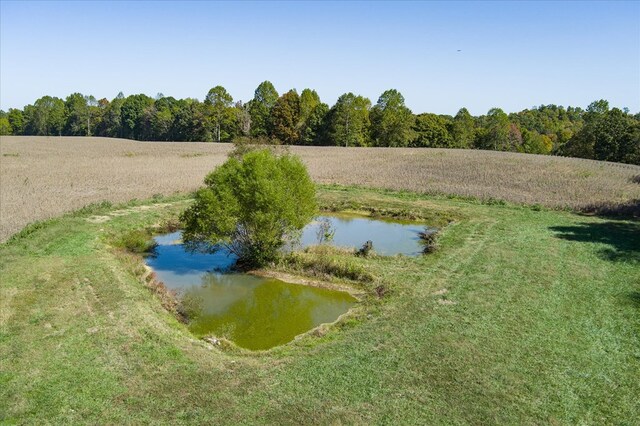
<point x="514" y="55"/>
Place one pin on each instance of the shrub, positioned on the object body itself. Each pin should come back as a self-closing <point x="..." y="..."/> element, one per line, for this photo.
<point x="251" y="206"/>
<point x="136" y="241"/>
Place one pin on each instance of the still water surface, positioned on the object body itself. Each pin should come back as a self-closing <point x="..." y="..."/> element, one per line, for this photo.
<point x="254" y="312"/>
<point x="257" y="312"/>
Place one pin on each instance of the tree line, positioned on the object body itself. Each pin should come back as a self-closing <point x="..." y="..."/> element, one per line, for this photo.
<point x="598" y="132"/>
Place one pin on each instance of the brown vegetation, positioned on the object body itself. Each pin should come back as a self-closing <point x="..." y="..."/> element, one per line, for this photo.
<point x="43" y="177"/>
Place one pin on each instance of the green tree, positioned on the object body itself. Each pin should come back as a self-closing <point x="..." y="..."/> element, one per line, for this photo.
<point x="219" y="102"/>
<point x="431" y="130"/>
<point x="111" y="125"/>
<point x="496" y="134"/>
<point x="348" y="121"/>
<point x="391" y="120"/>
<point x="77" y="112"/>
<point x="630" y="144"/>
<point x="285" y="117"/>
<point x="132" y="111"/>
<point x="463" y="129"/>
<point x="313" y="130"/>
<point x="251" y="206"/>
<point x="5" y="126"/>
<point x="264" y="98"/>
<point x="16" y="121"/>
<point x="614" y="136"/>
<point x="45" y="117"/>
<point x="191" y="121"/>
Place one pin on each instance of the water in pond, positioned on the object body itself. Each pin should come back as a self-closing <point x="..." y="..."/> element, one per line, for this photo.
<point x="254" y="312"/>
<point x="388" y="237"/>
<point x="257" y="312"/>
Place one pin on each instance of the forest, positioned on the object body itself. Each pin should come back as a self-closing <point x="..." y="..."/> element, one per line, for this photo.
<point x="597" y="132"/>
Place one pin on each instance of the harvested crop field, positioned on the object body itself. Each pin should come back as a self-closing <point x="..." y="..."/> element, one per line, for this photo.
<point x="43" y="177"/>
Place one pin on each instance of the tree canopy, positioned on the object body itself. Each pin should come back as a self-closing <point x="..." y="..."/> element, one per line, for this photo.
<point x="598" y="132"/>
<point x="251" y="206"/>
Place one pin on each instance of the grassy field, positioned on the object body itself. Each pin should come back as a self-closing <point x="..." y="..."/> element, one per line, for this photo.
<point x="45" y="177"/>
<point x="524" y="315"/>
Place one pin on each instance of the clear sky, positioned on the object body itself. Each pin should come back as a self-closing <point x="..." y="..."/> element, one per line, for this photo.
<point x="513" y="55"/>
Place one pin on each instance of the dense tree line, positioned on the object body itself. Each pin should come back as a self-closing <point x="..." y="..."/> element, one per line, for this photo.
<point x="599" y="132"/>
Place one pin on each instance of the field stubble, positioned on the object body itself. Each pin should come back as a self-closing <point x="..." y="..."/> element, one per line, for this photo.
<point x="43" y="177"/>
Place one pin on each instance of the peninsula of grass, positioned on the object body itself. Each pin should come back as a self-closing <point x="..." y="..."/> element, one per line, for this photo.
<point x="522" y="315"/>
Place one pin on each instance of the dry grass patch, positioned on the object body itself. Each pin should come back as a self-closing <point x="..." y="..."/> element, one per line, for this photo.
<point x="43" y="177"/>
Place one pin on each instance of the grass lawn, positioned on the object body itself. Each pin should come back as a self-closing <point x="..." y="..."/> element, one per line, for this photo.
<point x="522" y="316"/>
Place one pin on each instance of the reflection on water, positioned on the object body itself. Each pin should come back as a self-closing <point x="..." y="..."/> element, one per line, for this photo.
<point x="254" y="312"/>
<point x="388" y="237"/>
<point x="257" y="312"/>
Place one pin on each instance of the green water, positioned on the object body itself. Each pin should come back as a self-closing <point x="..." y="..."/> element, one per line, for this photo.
<point x="260" y="313"/>
<point x="254" y="312"/>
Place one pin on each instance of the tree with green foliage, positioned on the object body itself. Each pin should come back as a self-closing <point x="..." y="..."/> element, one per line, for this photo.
<point x="285" y="117"/>
<point x="431" y="130"/>
<point x="219" y="102"/>
<point x="132" y="110"/>
<point x="251" y="206"/>
<point x="16" y="121"/>
<point x="496" y="134"/>
<point x="5" y="126"/>
<point x="348" y="121"/>
<point x="313" y="130"/>
<point x="191" y="121"/>
<point x="264" y="98"/>
<point x="312" y="115"/>
<point x="463" y="129"/>
<point x="77" y="112"/>
<point x="45" y="117"/>
<point x="609" y="134"/>
<point x="391" y="120"/>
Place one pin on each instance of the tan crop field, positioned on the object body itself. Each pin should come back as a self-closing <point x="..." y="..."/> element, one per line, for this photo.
<point x="43" y="177"/>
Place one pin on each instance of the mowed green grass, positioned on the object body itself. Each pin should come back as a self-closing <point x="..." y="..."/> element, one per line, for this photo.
<point x="522" y="316"/>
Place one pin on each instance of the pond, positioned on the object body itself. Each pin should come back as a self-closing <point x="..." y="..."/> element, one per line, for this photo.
<point x="254" y="312"/>
<point x="388" y="237"/>
<point x="259" y="312"/>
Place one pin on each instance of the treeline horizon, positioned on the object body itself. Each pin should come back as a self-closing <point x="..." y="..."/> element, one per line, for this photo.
<point x="597" y="132"/>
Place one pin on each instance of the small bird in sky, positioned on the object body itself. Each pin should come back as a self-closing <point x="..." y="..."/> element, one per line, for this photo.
<point x="459" y="50"/>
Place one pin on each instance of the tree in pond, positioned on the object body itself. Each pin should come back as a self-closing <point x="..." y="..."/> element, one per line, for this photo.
<point x="391" y="120"/>
<point x="251" y="206"/>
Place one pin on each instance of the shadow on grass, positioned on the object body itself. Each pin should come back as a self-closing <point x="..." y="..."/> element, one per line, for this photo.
<point x="634" y="297"/>
<point x="625" y="210"/>
<point x="623" y="238"/>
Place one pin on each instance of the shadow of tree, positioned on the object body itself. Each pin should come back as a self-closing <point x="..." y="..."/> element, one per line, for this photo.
<point x="623" y="238"/>
<point x="634" y="297"/>
<point x="628" y="209"/>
